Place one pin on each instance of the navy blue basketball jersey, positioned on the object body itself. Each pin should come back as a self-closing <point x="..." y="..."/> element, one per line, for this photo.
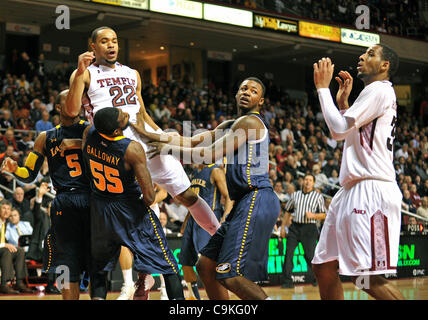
<point x="104" y="158"/>
<point x="201" y="185"/>
<point x="67" y="172"/>
<point x="248" y="167"/>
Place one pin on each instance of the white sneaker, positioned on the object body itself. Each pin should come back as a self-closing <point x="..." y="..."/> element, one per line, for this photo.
<point x="127" y="292"/>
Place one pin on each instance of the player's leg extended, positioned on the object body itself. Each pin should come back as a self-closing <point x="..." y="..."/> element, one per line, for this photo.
<point x="125" y="260"/>
<point x="206" y="268"/>
<point x="380" y="288"/>
<point x="191" y="279"/>
<point x="244" y="288"/>
<point x="199" y="210"/>
<point x="329" y="283"/>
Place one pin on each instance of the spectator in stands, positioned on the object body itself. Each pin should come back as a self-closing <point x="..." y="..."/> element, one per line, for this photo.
<point x="9" y="139"/>
<point x="16" y="228"/>
<point x="406" y="203"/>
<point x="23" y="205"/>
<point x="278" y="189"/>
<point x="23" y="83"/>
<point x="44" y="124"/>
<point x="414" y="196"/>
<point x="36" y="110"/>
<point x="7" y="121"/>
<point x="321" y="179"/>
<point x="163" y="218"/>
<point x="25" y="66"/>
<point x="403" y="151"/>
<point x="12" y="258"/>
<point x="9" y="152"/>
<point x="423" y="209"/>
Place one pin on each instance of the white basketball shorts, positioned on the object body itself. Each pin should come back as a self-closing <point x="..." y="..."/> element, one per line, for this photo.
<point x="165" y="170"/>
<point x="362" y="229"/>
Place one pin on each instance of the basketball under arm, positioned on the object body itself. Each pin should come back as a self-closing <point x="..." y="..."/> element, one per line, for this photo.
<point x="338" y="124"/>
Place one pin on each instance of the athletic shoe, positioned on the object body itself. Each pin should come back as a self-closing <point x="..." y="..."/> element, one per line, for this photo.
<point x="143" y="285"/>
<point x="127" y="292"/>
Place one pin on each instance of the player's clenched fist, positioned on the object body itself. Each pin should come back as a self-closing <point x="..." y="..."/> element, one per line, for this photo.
<point x="323" y="73"/>
<point x="85" y="59"/>
<point x="9" y="165"/>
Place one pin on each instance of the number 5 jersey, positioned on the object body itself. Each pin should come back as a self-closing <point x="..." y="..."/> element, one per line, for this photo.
<point x="68" y="172"/>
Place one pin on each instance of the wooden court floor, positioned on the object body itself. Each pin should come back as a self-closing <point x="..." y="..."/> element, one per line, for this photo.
<point x="412" y="289"/>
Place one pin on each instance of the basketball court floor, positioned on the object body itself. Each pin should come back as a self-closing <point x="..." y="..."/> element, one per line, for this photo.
<point x="412" y="289"/>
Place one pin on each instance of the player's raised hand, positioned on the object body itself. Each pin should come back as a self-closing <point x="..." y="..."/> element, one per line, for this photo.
<point x="323" y="73"/>
<point x="139" y="125"/>
<point x="345" y="87"/>
<point x="9" y="165"/>
<point x="85" y="59"/>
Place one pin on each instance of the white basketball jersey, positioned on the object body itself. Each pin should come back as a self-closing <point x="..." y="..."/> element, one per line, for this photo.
<point x="112" y="87"/>
<point x="368" y="148"/>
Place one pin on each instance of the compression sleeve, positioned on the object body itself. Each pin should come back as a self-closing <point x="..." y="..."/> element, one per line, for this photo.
<point x="338" y="124"/>
<point x="32" y="166"/>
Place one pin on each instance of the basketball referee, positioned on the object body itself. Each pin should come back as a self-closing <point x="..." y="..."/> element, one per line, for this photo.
<point x="307" y="206"/>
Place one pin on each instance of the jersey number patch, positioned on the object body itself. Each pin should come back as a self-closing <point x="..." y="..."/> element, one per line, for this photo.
<point x="389" y="140"/>
<point x="73" y="163"/>
<point x="106" y="177"/>
<point x="123" y="96"/>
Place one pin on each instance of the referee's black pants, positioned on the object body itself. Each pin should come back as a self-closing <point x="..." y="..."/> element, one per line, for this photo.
<point x="307" y="234"/>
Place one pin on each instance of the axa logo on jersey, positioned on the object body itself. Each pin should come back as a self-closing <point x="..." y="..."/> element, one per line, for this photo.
<point x="358" y="211"/>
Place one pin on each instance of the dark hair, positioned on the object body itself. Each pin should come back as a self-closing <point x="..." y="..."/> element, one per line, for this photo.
<point x="105" y="120"/>
<point x="388" y="54"/>
<point x="5" y="201"/>
<point x="310" y="174"/>
<point x="95" y="33"/>
<point x="259" y="82"/>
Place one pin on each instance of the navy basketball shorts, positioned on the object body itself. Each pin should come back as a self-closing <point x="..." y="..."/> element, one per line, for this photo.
<point x="128" y="222"/>
<point x="194" y="240"/>
<point x="67" y="242"/>
<point x="240" y="246"/>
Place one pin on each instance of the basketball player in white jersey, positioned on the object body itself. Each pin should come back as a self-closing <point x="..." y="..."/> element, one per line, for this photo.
<point x="360" y="236"/>
<point x="108" y="83"/>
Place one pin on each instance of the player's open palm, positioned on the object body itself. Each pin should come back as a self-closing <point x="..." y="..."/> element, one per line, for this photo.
<point x="9" y="165"/>
<point x="84" y="61"/>
<point x="345" y="82"/>
<point x="323" y="73"/>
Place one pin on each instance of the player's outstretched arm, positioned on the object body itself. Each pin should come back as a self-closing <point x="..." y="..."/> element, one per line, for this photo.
<point x="135" y="157"/>
<point x="79" y="80"/>
<point x="338" y="125"/>
<point x="244" y="129"/>
<point x="143" y="111"/>
<point x="33" y="163"/>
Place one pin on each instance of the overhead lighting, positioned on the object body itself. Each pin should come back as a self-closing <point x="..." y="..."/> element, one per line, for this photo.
<point x="192" y="44"/>
<point x="234" y="50"/>
<point x="255" y="46"/>
<point x="162" y="48"/>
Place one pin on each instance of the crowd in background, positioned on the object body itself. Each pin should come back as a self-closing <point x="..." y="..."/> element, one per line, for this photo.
<point x="299" y="139"/>
<point x="397" y="17"/>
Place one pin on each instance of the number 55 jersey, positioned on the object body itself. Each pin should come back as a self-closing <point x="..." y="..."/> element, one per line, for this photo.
<point x="104" y="157"/>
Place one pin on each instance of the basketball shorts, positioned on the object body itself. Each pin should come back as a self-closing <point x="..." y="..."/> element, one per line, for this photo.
<point x="362" y="229"/>
<point x="241" y="244"/>
<point x="165" y="170"/>
<point x="194" y="240"/>
<point x="128" y="222"/>
<point x="68" y="241"/>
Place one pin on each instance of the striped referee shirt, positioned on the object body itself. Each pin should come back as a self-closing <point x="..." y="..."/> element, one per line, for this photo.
<point x="303" y="202"/>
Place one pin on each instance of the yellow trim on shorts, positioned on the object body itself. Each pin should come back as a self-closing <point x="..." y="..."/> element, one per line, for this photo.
<point x="244" y="237"/>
